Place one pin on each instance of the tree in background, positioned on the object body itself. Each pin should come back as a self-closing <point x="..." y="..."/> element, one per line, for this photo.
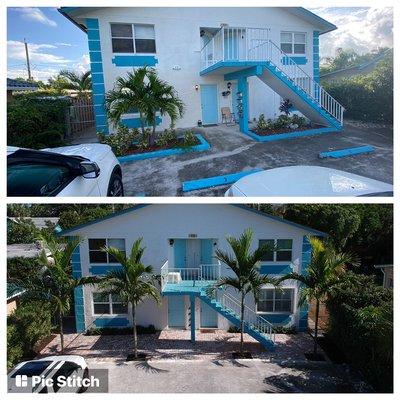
<point x="21" y="230"/>
<point x="322" y="274"/>
<point x="79" y="83"/>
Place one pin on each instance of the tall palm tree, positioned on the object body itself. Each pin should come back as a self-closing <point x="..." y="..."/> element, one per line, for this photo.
<point x="322" y="274"/>
<point x="144" y="91"/>
<point x="133" y="283"/>
<point x="245" y="266"/>
<point x="55" y="283"/>
<point x="81" y="83"/>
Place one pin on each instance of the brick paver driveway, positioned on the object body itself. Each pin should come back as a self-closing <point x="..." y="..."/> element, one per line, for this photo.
<point x="233" y="152"/>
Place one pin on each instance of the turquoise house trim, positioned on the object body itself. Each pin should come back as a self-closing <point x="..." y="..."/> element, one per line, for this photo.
<point x="203" y="146"/>
<point x="305" y="260"/>
<point x="207" y="251"/>
<point x="298" y="60"/>
<point x="134" y="61"/>
<point x="135" y="122"/>
<point x="351" y="151"/>
<point x="78" y="292"/>
<point x="113" y="322"/>
<point x="98" y="87"/>
<point x="275" y="269"/>
<point x="103" y="269"/>
<point x="291" y="135"/>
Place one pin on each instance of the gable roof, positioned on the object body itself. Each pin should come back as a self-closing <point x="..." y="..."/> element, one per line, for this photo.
<point x="73" y="13"/>
<point x="315" y="232"/>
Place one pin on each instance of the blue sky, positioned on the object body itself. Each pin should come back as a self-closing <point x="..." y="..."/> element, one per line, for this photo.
<point x="55" y="43"/>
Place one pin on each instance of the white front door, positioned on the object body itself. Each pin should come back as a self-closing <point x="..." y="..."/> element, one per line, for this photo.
<point x="193" y="253"/>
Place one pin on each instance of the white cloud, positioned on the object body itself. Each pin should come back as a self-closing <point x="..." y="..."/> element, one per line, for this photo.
<point x="36" y="15"/>
<point x="16" y="51"/>
<point x="360" y="29"/>
<point x="64" y="44"/>
<point x="42" y="74"/>
<point x="83" y="64"/>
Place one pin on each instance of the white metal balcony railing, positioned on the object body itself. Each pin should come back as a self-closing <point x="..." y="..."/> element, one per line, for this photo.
<point x="205" y="272"/>
<point x="253" y="44"/>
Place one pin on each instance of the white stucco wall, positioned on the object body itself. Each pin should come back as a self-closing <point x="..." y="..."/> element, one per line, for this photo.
<point x="158" y="223"/>
<point x="178" y="43"/>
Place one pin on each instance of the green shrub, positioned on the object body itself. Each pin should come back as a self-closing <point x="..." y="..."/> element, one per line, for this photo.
<point x="233" y="329"/>
<point x="29" y="323"/>
<point x="283" y="121"/>
<point x="167" y="137"/>
<point x="141" y="330"/>
<point x="22" y="267"/>
<point x="361" y="324"/>
<point x="121" y="141"/>
<point x="285" y="106"/>
<point x="36" y="122"/>
<point x="189" y="138"/>
<point x="300" y="121"/>
<point x="288" y="330"/>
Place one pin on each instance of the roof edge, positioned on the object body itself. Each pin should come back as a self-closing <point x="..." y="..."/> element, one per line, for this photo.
<point x="242" y="206"/>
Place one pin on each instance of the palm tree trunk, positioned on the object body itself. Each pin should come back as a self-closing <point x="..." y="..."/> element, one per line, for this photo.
<point x="61" y="331"/>
<point x="241" y="323"/>
<point x="153" y="135"/>
<point x="135" y="350"/>
<point x="316" y="327"/>
<point x="141" y="122"/>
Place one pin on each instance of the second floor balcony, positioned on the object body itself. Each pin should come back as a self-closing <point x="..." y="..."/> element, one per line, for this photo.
<point x="235" y="44"/>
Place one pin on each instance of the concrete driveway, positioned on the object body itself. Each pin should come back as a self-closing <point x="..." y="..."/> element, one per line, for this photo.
<point x="233" y="152"/>
<point x="227" y="376"/>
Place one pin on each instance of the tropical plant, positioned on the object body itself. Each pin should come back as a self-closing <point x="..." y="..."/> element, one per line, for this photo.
<point x="321" y="276"/>
<point x="285" y="106"/>
<point x="144" y="92"/>
<point x="133" y="283"/>
<point x="80" y="83"/>
<point x="54" y="284"/>
<point x="245" y="265"/>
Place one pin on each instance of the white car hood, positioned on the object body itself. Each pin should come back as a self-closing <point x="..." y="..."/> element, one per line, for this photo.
<point x="306" y="181"/>
<point x="92" y="151"/>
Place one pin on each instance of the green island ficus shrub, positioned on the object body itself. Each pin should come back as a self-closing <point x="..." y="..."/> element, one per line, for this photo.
<point x="36" y="122"/>
<point x="361" y="325"/>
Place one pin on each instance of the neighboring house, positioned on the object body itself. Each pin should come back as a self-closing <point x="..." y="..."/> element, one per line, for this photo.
<point x="247" y="59"/>
<point x="387" y="270"/>
<point x="359" y="69"/>
<point x="39" y="222"/>
<point x="13" y="294"/>
<point x="180" y="242"/>
<point x="14" y="85"/>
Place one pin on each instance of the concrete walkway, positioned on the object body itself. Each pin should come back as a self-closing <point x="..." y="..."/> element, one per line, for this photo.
<point x="234" y="152"/>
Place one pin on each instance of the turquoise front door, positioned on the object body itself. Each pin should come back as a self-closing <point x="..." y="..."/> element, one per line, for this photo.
<point x="208" y="316"/>
<point x="176" y="312"/>
<point x="209" y="104"/>
<point x="180" y="253"/>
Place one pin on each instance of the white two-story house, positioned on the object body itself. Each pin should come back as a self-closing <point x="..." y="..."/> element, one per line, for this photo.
<point x="247" y="59"/>
<point x="180" y="241"/>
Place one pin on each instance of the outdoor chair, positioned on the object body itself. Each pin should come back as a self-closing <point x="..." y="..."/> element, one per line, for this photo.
<point x="228" y="117"/>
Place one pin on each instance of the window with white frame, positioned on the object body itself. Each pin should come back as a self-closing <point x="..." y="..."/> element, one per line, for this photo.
<point x="109" y="304"/>
<point x="276" y="300"/>
<point x="282" y="249"/>
<point x="97" y="253"/>
<point x="133" y="38"/>
<point x="293" y="42"/>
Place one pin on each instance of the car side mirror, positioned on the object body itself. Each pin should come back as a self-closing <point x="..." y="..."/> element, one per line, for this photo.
<point x="90" y="170"/>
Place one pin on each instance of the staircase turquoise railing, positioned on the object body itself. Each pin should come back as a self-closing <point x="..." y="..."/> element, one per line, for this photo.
<point x="229" y="307"/>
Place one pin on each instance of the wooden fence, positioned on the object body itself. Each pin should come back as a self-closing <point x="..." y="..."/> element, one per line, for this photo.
<point x="80" y="116"/>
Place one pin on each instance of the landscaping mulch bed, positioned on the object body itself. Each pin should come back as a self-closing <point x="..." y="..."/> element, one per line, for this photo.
<point x="271" y="132"/>
<point x="171" y="145"/>
<point x="236" y="355"/>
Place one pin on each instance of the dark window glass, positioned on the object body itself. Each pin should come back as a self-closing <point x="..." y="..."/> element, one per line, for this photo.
<point x="284" y="252"/>
<point x="121" y="30"/>
<point x="145" y="45"/>
<point x="269" y="255"/>
<point x="101" y="308"/>
<point x="32" y="368"/>
<point x="122" y="45"/>
<point x="97" y="244"/>
<point x="119" y="308"/>
<point x="286" y="48"/>
<point x="96" y="256"/>
<point x="299" y="48"/>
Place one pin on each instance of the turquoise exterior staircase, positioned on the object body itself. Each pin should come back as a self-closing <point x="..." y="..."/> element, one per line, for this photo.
<point x="254" y="325"/>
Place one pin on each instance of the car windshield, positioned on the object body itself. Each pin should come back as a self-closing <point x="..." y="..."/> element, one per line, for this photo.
<point x="32" y="368"/>
<point x="34" y="179"/>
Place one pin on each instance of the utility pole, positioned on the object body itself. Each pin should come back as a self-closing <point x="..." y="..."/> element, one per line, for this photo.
<point x="28" y="65"/>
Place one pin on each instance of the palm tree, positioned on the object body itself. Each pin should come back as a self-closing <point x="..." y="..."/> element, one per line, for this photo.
<point x="55" y="283"/>
<point x="245" y="266"/>
<point x="322" y="274"/>
<point x="133" y="283"/>
<point x="81" y="83"/>
<point x="144" y="91"/>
